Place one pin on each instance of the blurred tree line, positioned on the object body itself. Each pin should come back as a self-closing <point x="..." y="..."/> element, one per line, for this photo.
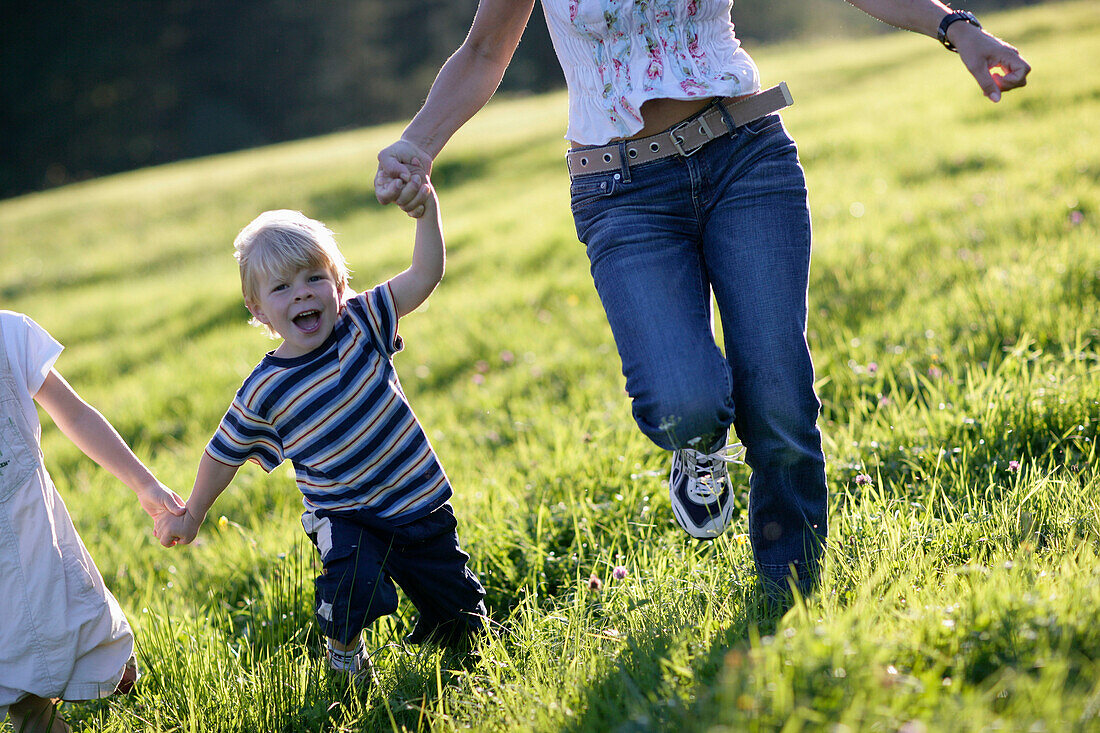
<point x="90" y="87"/>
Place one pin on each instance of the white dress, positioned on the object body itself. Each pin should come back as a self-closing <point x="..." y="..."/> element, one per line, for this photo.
<point x="62" y="633"/>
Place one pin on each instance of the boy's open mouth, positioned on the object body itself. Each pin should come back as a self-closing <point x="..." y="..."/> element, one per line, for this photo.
<point x="308" y="321"/>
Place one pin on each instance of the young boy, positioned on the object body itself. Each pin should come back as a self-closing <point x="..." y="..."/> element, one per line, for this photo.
<point x="328" y="399"/>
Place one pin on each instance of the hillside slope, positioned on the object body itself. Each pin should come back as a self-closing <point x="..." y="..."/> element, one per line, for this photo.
<point x="955" y="325"/>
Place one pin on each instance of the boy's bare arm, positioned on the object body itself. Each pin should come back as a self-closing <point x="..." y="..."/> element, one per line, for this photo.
<point x="413" y="286"/>
<point x="212" y="478"/>
<point x="97" y="438"/>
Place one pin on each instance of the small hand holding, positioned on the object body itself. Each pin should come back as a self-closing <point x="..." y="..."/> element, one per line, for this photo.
<point x="414" y="196"/>
<point x="172" y="529"/>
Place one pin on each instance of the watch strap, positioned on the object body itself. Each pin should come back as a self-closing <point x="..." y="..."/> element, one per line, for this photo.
<point x="950" y="18"/>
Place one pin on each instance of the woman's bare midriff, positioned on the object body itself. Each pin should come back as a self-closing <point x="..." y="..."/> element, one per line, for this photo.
<point x="661" y="114"/>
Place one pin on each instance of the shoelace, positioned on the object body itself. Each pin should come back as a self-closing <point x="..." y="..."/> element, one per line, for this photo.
<point x="704" y="465"/>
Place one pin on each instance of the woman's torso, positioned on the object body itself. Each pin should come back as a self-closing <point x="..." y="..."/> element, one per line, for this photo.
<point x="634" y="67"/>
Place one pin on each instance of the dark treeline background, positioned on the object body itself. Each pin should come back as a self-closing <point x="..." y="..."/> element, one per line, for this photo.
<point x="89" y="87"/>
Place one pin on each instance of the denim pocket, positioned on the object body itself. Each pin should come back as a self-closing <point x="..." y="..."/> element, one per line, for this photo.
<point x="584" y="190"/>
<point x="762" y="125"/>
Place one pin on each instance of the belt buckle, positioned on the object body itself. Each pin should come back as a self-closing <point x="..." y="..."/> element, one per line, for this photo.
<point x="677" y="139"/>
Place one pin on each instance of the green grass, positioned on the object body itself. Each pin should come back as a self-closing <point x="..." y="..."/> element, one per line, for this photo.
<point x="955" y="326"/>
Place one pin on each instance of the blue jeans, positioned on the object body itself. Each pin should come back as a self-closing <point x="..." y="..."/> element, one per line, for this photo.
<point x="733" y="219"/>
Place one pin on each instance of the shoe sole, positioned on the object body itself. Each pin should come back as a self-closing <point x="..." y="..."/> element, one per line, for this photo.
<point x="704" y="533"/>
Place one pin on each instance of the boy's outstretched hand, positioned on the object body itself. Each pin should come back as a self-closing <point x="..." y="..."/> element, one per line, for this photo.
<point x="212" y="478"/>
<point x="173" y="529"/>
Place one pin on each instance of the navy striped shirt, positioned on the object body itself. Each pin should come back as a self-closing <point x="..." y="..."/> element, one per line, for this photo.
<point x="339" y="414"/>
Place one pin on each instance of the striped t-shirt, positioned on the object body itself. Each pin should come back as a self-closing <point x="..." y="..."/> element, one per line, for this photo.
<point x="339" y="414"/>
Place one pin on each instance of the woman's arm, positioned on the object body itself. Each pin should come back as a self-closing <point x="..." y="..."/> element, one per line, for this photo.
<point x="981" y="52"/>
<point x="920" y="16"/>
<point x="465" y="83"/>
<point x="97" y="438"/>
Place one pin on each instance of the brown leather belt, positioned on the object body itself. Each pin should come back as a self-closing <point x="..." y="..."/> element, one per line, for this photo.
<point x="684" y="138"/>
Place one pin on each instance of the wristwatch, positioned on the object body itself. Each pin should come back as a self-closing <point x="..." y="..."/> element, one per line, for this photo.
<point x="951" y="18"/>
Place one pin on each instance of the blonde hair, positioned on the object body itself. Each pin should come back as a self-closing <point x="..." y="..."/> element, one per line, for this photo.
<point x="277" y="244"/>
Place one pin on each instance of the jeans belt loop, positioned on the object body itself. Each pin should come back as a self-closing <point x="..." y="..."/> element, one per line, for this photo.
<point x="731" y="126"/>
<point x="624" y="163"/>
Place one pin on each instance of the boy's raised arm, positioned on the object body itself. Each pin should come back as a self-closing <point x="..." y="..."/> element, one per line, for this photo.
<point x="210" y="481"/>
<point x="97" y="438"/>
<point x="413" y="286"/>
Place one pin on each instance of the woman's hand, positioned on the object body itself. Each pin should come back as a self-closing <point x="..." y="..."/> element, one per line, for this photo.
<point x="997" y="66"/>
<point x="403" y="168"/>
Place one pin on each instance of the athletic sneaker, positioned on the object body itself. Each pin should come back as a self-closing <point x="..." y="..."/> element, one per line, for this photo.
<point x="355" y="664"/>
<point x="699" y="487"/>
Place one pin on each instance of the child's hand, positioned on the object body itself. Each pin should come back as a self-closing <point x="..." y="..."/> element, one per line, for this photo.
<point x="426" y="198"/>
<point x="172" y="529"/>
<point x="158" y="500"/>
<point x="211" y="480"/>
<point x="397" y="164"/>
<point x="416" y="196"/>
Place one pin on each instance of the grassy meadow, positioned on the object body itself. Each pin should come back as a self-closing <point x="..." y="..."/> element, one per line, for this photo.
<point x="955" y="326"/>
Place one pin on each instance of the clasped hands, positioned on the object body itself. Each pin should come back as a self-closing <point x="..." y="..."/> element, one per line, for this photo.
<point x="403" y="171"/>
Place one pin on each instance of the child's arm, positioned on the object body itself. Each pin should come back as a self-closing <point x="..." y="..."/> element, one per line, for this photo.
<point x="211" y="480"/>
<point x="97" y="438"/>
<point x="413" y="286"/>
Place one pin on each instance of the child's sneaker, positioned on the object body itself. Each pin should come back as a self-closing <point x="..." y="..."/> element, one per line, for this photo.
<point x="355" y="664"/>
<point x="699" y="488"/>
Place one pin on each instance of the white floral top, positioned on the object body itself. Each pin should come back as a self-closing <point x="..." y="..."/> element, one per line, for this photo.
<point x="616" y="54"/>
